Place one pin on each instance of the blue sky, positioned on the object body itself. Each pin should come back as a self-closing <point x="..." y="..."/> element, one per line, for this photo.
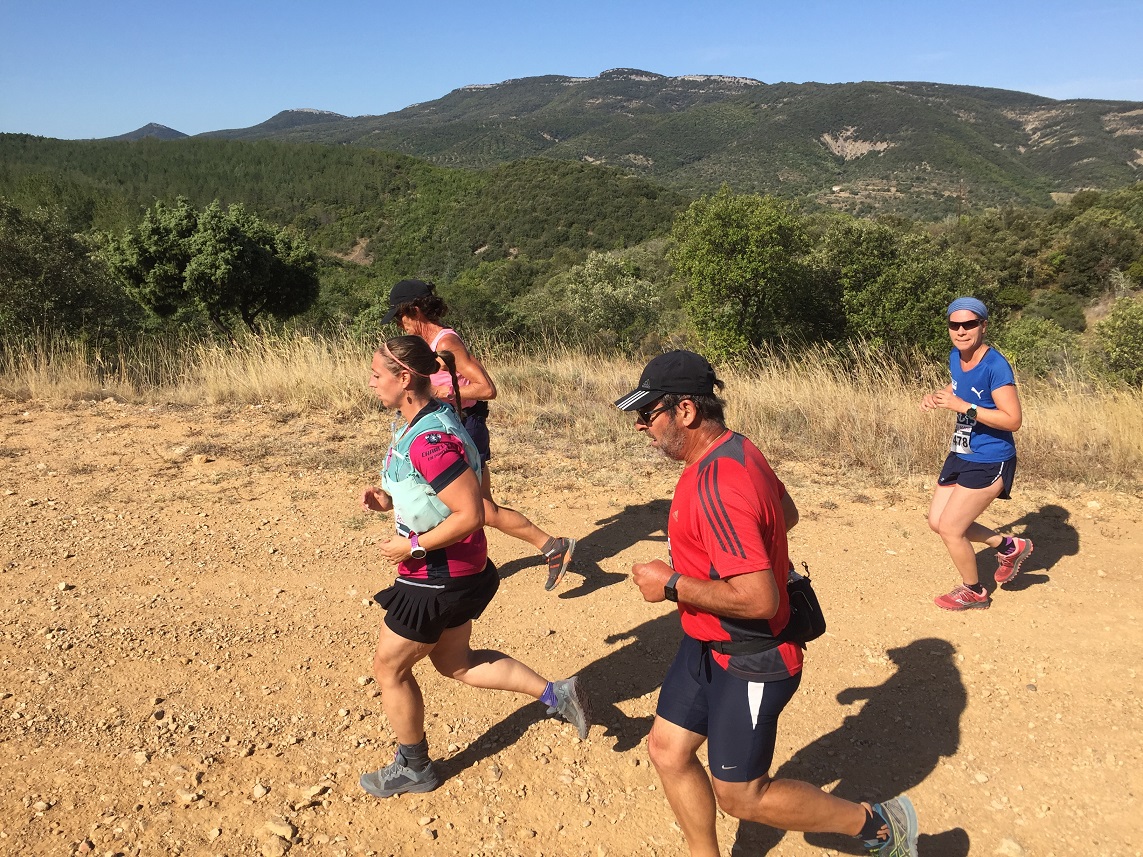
<point x="82" y="68"/>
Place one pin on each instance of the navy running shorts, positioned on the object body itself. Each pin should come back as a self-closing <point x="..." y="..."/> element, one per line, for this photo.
<point x="421" y="610"/>
<point x="978" y="474"/>
<point x="475" y="423"/>
<point x="738" y="717"/>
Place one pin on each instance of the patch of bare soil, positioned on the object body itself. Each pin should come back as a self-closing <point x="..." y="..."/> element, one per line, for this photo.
<point x="186" y="636"/>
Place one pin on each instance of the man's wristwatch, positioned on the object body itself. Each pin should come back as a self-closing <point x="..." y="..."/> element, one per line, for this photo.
<point x="971" y="412"/>
<point x="417" y="552"/>
<point x="669" y="591"/>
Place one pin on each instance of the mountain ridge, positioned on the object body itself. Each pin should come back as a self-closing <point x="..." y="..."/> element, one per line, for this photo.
<point x="914" y="147"/>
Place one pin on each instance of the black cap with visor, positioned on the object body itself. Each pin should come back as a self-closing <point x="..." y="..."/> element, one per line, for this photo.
<point x="681" y="373"/>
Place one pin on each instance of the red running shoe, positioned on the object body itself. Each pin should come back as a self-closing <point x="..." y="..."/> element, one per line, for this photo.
<point x="1008" y="565"/>
<point x="963" y="598"/>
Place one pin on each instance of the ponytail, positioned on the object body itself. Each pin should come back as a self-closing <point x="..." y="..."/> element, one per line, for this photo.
<point x="449" y="361"/>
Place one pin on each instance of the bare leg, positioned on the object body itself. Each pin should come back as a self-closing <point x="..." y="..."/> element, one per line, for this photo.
<point x="953" y="514"/>
<point x="673" y="752"/>
<point x="790" y="805"/>
<point x="508" y="521"/>
<point x="454" y="657"/>
<point x="400" y="694"/>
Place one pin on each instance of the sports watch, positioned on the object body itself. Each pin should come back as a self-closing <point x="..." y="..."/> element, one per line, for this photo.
<point x="669" y="591"/>
<point x="971" y="412"/>
<point x="416" y="552"/>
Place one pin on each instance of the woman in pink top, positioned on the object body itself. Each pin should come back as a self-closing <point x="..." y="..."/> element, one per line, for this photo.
<point x="444" y="579"/>
<point x="416" y="307"/>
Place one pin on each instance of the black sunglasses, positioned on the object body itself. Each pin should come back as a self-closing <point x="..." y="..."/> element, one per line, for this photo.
<point x="966" y="325"/>
<point x="644" y="416"/>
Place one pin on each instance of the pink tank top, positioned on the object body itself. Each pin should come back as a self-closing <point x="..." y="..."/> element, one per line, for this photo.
<point x="443" y="378"/>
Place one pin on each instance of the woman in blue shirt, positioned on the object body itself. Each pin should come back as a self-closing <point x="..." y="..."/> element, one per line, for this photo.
<point x="982" y="455"/>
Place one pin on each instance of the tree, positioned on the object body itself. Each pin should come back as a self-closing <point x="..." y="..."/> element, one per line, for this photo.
<point x="49" y="281"/>
<point x="745" y="258"/>
<point x="223" y="263"/>
<point x="895" y="286"/>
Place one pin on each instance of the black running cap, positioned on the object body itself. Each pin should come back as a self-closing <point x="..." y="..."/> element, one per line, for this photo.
<point x="405" y="292"/>
<point x="680" y="372"/>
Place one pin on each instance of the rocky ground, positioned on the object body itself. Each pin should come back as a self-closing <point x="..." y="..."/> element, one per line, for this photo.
<point x="186" y="634"/>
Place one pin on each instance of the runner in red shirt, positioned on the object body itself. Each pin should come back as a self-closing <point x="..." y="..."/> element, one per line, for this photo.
<point x="731" y="678"/>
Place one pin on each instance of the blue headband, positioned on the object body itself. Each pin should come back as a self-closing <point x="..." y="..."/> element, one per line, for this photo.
<point x="973" y="305"/>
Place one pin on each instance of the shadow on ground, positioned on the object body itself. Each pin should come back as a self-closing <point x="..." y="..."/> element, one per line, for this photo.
<point x="631" y="671"/>
<point x="890" y="745"/>
<point x="611" y="536"/>
<point x="1053" y="538"/>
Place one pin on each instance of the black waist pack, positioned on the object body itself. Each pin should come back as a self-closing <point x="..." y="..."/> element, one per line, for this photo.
<point x="807" y="621"/>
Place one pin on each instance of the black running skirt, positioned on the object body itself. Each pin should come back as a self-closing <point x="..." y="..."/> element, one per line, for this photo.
<point x="421" y="610"/>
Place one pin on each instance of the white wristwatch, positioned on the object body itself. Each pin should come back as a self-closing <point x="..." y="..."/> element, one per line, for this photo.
<point x="417" y="552"/>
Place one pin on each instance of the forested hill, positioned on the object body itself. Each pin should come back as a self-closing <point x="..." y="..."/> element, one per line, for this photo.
<point x="921" y="149"/>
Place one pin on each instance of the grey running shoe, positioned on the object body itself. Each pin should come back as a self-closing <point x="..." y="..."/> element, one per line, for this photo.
<point x="1008" y="565"/>
<point x="399" y="778"/>
<point x="901" y="819"/>
<point x="572" y="705"/>
<point x="559" y="558"/>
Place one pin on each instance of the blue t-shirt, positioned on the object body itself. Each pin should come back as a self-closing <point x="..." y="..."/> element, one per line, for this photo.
<point x="974" y="441"/>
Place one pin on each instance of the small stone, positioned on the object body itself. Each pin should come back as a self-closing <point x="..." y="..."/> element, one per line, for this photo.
<point x="982" y="778"/>
<point x="315" y="791"/>
<point x="1031" y="687"/>
<point x="364" y="680"/>
<point x="259" y="792"/>
<point x="281" y="827"/>
<point x="85" y="847"/>
<point x="428" y="833"/>
<point x="1009" y="848"/>
<point x="63" y="586"/>
<point x="214" y="833"/>
<point x="141" y="758"/>
<point x="40" y="806"/>
<point x="425" y="819"/>
<point x="187" y="796"/>
<point x="275" y="846"/>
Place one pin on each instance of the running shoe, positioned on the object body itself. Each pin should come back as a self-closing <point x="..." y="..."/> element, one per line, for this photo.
<point x="572" y="705"/>
<point x="963" y="598"/>
<point x="901" y="819"/>
<point x="1008" y="565"/>
<point x="399" y="778"/>
<point x="559" y="558"/>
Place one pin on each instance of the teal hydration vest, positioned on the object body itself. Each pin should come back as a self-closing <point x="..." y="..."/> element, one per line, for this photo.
<point x="416" y="507"/>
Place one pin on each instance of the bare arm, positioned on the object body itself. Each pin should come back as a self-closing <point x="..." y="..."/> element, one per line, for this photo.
<point x="744" y="596"/>
<point x="480" y="385"/>
<point x="462" y="496"/>
<point x="1006" y="416"/>
<point x="789" y="511"/>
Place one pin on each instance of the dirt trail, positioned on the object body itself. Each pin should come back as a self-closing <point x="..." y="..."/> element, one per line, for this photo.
<point x="186" y="634"/>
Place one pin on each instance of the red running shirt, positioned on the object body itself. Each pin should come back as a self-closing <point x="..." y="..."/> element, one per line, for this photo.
<point x="726" y="519"/>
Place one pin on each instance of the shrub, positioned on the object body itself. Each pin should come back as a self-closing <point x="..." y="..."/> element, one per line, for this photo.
<point x="1038" y="346"/>
<point x="1120" y="337"/>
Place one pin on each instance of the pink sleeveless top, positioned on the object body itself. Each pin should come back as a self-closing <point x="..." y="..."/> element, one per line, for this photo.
<point x="443" y="378"/>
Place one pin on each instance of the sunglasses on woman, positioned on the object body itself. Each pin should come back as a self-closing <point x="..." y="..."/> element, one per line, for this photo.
<point x="972" y="324"/>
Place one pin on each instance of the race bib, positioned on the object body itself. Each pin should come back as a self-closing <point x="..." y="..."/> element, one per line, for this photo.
<point x="960" y="444"/>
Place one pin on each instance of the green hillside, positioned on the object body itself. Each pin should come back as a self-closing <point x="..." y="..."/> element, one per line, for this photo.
<point x="920" y="149"/>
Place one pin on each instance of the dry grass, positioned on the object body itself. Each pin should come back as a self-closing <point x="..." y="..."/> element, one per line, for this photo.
<point x="842" y="409"/>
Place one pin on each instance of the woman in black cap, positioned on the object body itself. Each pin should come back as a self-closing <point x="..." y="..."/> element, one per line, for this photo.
<point x="416" y="307"/>
<point x="982" y="455"/>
